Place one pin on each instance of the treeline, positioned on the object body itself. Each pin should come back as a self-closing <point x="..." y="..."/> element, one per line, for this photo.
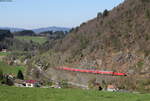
<point x="4" y="34"/>
<point x="54" y="34"/>
<point x="25" y="33"/>
<point x="7" y="41"/>
<point x="50" y="34"/>
<point x="53" y="38"/>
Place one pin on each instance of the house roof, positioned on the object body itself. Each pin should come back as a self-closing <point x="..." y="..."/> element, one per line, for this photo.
<point x="111" y="86"/>
<point x="30" y="81"/>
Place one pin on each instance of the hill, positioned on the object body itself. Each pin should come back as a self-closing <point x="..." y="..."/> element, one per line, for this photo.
<point x="37" y="30"/>
<point x="116" y="40"/>
<point x="40" y="30"/>
<point x="119" y="38"/>
<point x="12" y="29"/>
<point x="7" y="69"/>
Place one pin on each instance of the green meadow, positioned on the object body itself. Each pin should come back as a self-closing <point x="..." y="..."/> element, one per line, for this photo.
<point x="10" y="69"/>
<point x="50" y="94"/>
<point x="36" y="39"/>
<point x="4" y="53"/>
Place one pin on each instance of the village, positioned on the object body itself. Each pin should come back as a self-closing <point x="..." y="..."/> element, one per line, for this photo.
<point x="19" y="81"/>
<point x="11" y="80"/>
<point x="79" y="50"/>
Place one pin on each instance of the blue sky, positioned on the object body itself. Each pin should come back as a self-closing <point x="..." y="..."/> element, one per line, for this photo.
<point x="45" y="13"/>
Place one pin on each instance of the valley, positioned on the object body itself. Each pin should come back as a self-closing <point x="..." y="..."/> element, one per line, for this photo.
<point x="106" y="58"/>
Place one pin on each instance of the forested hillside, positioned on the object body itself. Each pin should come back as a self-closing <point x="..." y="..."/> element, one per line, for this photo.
<point x="4" y="34"/>
<point x="7" y="41"/>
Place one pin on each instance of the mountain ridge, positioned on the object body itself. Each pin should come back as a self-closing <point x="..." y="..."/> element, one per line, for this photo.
<point x="38" y="30"/>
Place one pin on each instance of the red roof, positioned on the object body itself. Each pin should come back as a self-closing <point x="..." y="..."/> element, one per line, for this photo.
<point x="30" y="81"/>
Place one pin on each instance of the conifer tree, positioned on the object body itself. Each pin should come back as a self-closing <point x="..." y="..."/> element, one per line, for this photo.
<point x="20" y="75"/>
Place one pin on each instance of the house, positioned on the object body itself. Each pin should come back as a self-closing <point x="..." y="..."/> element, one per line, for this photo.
<point x="30" y="83"/>
<point x="4" y="50"/>
<point x="8" y="79"/>
<point x="26" y="83"/>
<point x="112" y="88"/>
<point x="9" y="76"/>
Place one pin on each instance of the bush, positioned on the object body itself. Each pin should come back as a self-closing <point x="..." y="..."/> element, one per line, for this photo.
<point x="147" y="14"/>
<point x="99" y="34"/>
<point x="140" y="64"/>
<point x="1" y="74"/>
<point x="91" y="83"/>
<point x="9" y="82"/>
<point x="83" y="41"/>
<point x="146" y="53"/>
<point x="5" y="34"/>
<point x="116" y="43"/>
<point x="99" y="15"/>
<point x="20" y="75"/>
<point x="105" y="13"/>
<point x="64" y="84"/>
<point x="143" y="85"/>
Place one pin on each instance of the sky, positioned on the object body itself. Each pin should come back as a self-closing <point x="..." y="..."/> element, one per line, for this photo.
<point x="44" y="13"/>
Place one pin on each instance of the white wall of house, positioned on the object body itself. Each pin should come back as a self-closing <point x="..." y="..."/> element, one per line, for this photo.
<point x="111" y="89"/>
<point x="29" y="85"/>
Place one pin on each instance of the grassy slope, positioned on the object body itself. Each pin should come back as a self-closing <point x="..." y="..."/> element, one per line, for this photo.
<point x="10" y="69"/>
<point x="4" y="53"/>
<point x="38" y="94"/>
<point x="33" y="38"/>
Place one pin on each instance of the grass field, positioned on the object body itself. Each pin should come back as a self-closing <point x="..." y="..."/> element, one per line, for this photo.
<point x="10" y="69"/>
<point x="36" y="39"/>
<point x="42" y="94"/>
<point x="4" y="53"/>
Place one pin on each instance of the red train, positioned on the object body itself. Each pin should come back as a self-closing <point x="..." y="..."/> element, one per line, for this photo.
<point x="93" y="71"/>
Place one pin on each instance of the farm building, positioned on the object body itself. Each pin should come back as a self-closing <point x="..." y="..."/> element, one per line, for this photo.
<point x="3" y="50"/>
<point x="30" y="83"/>
<point x="27" y="83"/>
<point x="112" y="88"/>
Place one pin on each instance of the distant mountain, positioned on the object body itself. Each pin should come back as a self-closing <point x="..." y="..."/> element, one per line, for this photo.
<point x="39" y="30"/>
<point x="12" y="29"/>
